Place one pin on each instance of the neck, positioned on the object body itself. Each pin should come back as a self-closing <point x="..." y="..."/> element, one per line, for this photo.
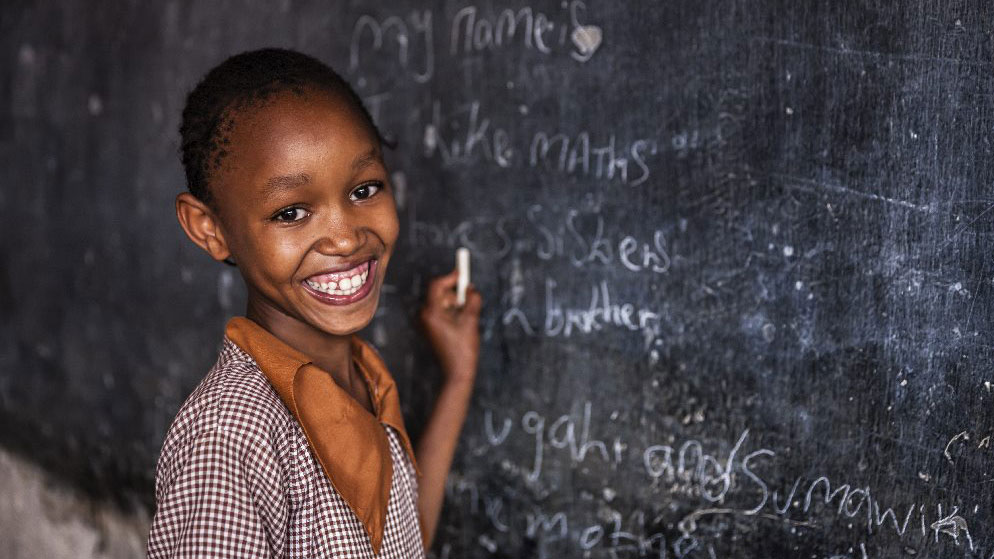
<point x="330" y="352"/>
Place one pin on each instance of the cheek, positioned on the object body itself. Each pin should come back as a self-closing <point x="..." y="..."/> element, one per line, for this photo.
<point x="275" y="258"/>
<point x="285" y="254"/>
<point x="388" y="225"/>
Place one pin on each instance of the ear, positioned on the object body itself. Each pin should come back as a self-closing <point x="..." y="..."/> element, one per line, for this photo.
<point x="202" y="225"/>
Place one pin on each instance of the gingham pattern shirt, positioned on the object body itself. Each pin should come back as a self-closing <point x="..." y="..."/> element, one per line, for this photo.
<point x="236" y="478"/>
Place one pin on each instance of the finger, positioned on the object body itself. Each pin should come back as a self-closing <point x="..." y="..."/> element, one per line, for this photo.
<point x="449" y="301"/>
<point x="441" y="284"/>
<point x="474" y="302"/>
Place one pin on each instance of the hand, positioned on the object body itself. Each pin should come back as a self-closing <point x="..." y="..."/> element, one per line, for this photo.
<point x="453" y="331"/>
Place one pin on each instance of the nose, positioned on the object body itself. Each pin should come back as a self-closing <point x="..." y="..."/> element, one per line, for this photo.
<point x="342" y="234"/>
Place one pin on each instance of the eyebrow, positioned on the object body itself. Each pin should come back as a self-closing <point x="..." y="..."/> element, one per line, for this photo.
<point x="286" y="182"/>
<point x="283" y="183"/>
<point x="366" y="159"/>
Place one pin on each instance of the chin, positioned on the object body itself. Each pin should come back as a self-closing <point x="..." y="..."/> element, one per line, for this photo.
<point x="345" y="324"/>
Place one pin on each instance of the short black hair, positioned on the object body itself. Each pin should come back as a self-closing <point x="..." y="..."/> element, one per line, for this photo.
<point x="244" y="81"/>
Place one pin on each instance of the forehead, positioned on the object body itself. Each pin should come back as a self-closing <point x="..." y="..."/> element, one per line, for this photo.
<point x="313" y="132"/>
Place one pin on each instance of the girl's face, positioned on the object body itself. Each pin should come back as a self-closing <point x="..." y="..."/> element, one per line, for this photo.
<point x="307" y="211"/>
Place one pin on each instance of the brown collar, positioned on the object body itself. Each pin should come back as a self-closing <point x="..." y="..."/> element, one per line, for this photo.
<point x="347" y="440"/>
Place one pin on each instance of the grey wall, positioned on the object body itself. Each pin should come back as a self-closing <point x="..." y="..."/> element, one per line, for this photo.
<point x="41" y="516"/>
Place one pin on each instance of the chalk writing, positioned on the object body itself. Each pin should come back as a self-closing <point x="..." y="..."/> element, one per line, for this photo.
<point x="562" y="434"/>
<point x="734" y="482"/>
<point x="409" y="39"/>
<point x="616" y="536"/>
<point x="591" y="244"/>
<point x="463" y="135"/>
<point x="413" y="32"/>
<point x="848" y="501"/>
<point x="580" y="238"/>
<point x="576" y="155"/>
<point x="472" y="31"/>
<point x="601" y="312"/>
<point x="713" y="480"/>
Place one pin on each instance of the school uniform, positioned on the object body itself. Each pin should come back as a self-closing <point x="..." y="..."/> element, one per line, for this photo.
<point x="268" y="457"/>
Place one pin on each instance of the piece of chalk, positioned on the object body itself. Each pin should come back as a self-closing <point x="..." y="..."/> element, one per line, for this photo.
<point x="462" y="265"/>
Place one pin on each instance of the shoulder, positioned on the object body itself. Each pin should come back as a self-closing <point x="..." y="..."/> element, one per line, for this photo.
<point x="234" y="402"/>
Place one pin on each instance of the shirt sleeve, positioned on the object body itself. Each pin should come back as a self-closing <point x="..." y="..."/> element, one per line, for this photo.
<point x="221" y="497"/>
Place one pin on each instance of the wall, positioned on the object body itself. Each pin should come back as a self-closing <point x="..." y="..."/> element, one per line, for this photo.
<point x="40" y="516"/>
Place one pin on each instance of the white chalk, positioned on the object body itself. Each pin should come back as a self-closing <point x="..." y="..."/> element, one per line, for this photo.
<point x="462" y="265"/>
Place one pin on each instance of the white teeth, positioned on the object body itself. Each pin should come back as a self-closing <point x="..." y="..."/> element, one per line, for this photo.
<point x="346" y="286"/>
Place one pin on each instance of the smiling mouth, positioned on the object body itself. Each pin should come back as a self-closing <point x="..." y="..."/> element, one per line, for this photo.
<point x="342" y="284"/>
<point x="343" y="287"/>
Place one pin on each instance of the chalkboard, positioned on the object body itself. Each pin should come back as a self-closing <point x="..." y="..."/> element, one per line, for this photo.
<point x="736" y="258"/>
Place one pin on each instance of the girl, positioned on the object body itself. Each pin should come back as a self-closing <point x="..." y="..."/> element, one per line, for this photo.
<point x="293" y="445"/>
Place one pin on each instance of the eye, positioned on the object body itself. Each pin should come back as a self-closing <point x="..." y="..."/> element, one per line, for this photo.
<point x="365" y="190"/>
<point x="290" y="215"/>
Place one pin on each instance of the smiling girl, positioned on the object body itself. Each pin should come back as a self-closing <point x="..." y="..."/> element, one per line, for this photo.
<point x="293" y="445"/>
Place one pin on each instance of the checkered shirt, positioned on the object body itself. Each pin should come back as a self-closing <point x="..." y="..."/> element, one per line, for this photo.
<point x="236" y="478"/>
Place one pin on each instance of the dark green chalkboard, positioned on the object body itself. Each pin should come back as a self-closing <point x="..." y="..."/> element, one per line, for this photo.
<point x="737" y="258"/>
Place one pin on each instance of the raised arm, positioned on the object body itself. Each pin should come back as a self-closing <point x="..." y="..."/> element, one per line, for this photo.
<point x="454" y="334"/>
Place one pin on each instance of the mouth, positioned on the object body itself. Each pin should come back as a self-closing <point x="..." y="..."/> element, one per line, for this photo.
<point x="343" y="287"/>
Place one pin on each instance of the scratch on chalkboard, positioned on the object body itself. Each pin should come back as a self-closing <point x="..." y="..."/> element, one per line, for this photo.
<point x="811" y="186"/>
<point x="966" y="226"/>
<point x="688" y="524"/>
<point x="873" y="53"/>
